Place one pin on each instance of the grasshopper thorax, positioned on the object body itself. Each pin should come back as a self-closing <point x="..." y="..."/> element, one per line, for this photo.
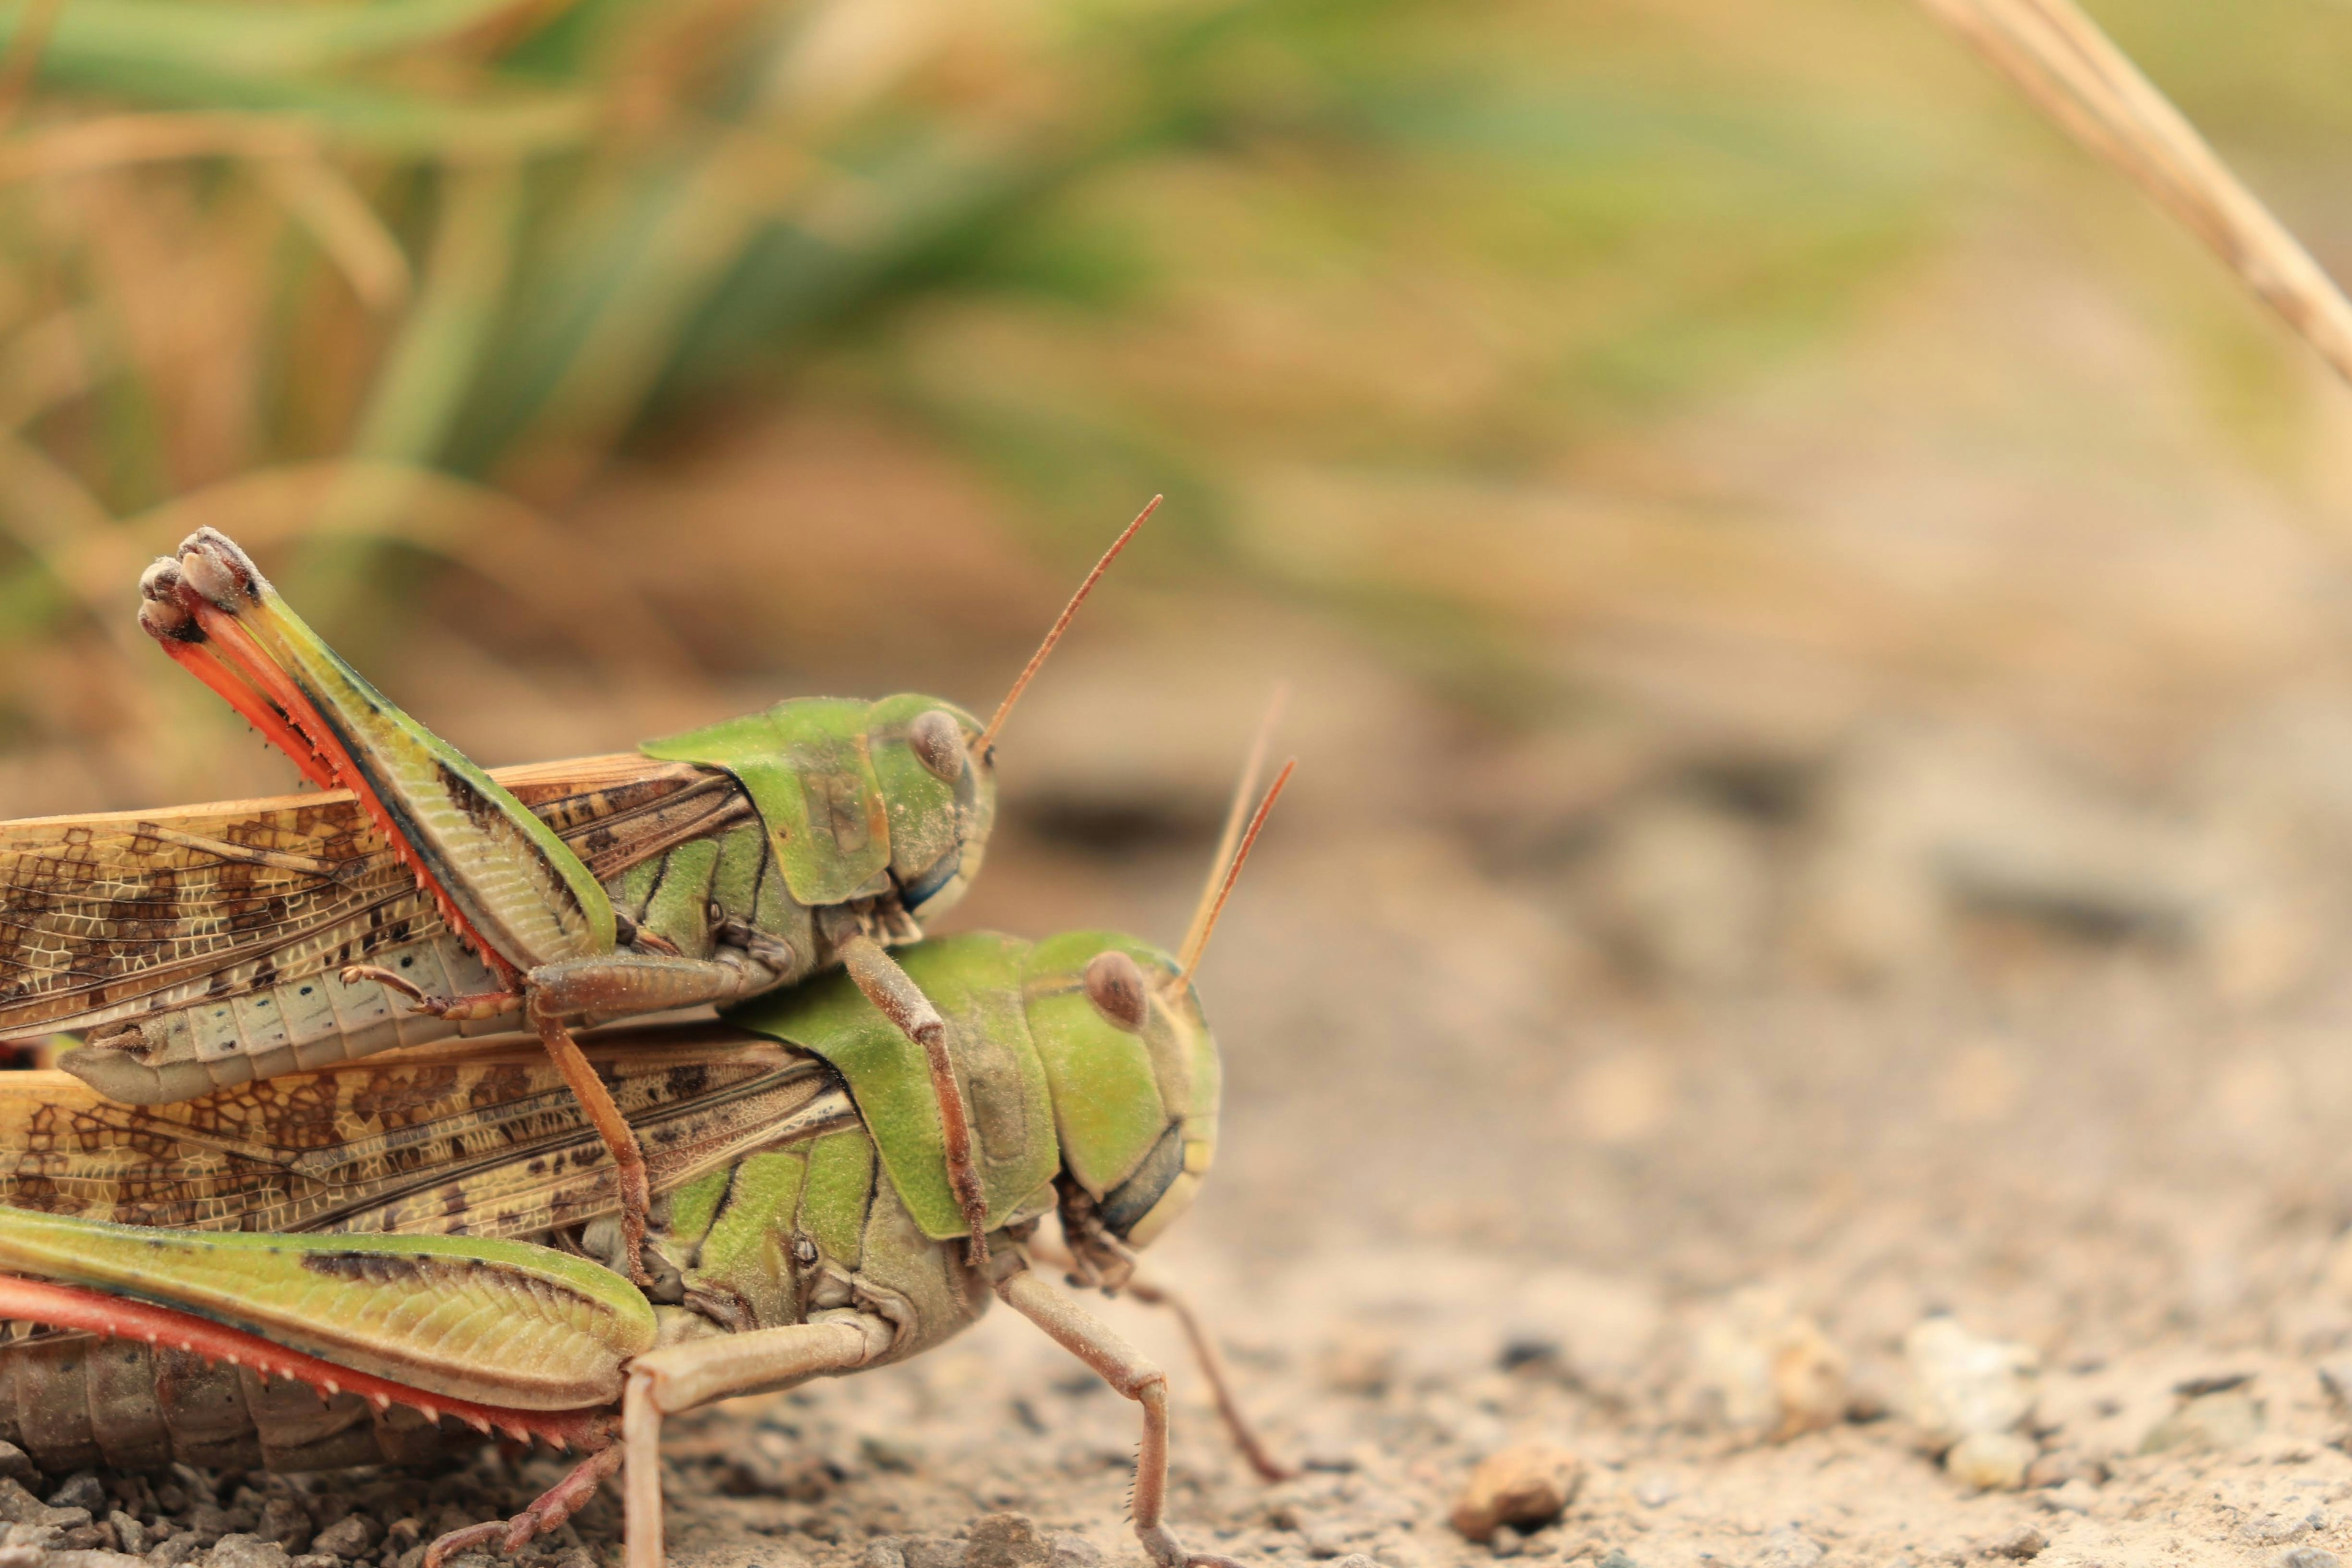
<point x="861" y="800"/>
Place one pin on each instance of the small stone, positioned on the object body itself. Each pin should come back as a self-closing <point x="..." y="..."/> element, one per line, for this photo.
<point x="1507" y="1542"/>
<point x="1766" y="1369"/>
<point x="1991" y="1461"/>
<point x="1617" y="1557"/>
<point x="347" y="1537"/>
<point x="1529" y="1484"/>
<point x="171" y="1552"/>
<point x="210" y="1521"/>
<point x="2304" y="1557"/>
<point x="1006" y="1541"/>
<point x="316" y="1560"/>
<point x="1961" y="1385"/>
<point x="935" y="1551"/>
<point x="1357" y="1560"/>
<point x="287" y="1523"/>
<point x="81" y="1490"/>
<point x="18" y="1506"/>
<point x="2020" y="1545"/>
<point x="247" y="1552"/>
<point x="23" y="1557"/>
<point x="1786" y="1547"/>
<point x="17" y="1467"/>
<point x="1323" y="1541"/>
<point x="2278" y="1529"/>
<point x="2213" y="1423"/>
<point x="130" y="1535"/>
<point x="883" y="1552"/>
<point x="1074" y="1551"/>
<point x="889" y="1453"/>
<point x="1656" y="1490"/>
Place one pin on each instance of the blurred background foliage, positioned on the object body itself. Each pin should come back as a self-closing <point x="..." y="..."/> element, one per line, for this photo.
<point x="1602" y="397"/>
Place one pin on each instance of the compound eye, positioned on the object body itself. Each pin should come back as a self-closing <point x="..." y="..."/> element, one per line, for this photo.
<point x="1114" y="985"/>
<point x="938" y="740"/>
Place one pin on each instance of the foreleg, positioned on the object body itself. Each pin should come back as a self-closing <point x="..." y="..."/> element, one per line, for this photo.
<point x="1153" y="1292"/>
<point x="893" y="991"/>
<point x="1127" y="1370"/>
<point x="679" y="1377"/>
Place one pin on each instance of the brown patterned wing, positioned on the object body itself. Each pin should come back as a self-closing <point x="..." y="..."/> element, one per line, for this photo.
<point x="428" y="1141"/>
<point x="107" y="917"/>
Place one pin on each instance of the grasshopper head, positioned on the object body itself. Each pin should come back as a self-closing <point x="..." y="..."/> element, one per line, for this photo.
<point x="941" y="794"/>
<point x="1135" y="1078"/>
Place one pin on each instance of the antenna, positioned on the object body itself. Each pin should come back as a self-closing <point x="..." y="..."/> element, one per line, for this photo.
<point x="987" y="737"/>
<point x="1190" y="959"/>
<point x="1238" y="813"/>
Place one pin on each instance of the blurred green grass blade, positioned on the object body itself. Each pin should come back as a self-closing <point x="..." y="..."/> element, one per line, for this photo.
<point x="433" y="360"/>
<point x="361" y="116"/>
<point x="254" y="40"/>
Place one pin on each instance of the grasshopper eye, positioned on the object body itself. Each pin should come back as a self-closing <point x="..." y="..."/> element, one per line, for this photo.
<point x="938" y="740"/>
<point x="1114" y="985"/>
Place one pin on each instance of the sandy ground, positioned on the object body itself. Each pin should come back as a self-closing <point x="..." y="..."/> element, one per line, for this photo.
<point x="1549" y="1147"/>
<point x="1638" y="1081"/>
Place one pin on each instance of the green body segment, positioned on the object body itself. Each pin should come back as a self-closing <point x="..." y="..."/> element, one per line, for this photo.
<point x="511" y="878"/>
<point x="806" y="766"/>
<point x="850" y="809"/>
<point x="975" y="982"/>
<point x="1136" y="1111"/>
<point x="503" y="1322"/>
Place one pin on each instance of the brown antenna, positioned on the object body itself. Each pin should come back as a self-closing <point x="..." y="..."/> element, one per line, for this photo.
<point x="1190" y="959"/>
<point x="1238" y="813"/>
<point x="987" y="738"/>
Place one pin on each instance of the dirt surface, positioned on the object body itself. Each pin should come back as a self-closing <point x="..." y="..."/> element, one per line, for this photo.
<point x="1688" y="1077"/>
<point x="1619" y="1145"/>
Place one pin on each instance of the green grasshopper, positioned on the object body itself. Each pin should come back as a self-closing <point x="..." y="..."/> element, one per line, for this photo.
<point x="208" y="946"/>
<point x="353" y="1265"/>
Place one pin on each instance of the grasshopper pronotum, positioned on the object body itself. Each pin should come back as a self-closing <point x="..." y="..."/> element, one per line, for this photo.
<point x="205" y="946"/>
<point x="436" y="1239"/>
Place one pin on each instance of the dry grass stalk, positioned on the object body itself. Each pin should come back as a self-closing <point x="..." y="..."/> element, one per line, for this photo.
<point x="2077" y="76"/>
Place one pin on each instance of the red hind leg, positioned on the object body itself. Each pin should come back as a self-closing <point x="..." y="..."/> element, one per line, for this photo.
<point x="115" y="1317"/>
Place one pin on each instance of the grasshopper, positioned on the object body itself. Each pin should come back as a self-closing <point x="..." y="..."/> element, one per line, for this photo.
<point x="424" y="896"/>
<point x="356" y="1264"/>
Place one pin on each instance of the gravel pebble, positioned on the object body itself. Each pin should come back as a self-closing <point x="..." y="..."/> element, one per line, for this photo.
<point x="90" y="1557"/>
<point x="1526" y="1484"/>
<point x="247" y="1552"/>
<point x="1962" y="1384"/>
<point x="130" y="1535"/>
<point x="81" y="1490"/>
<point x="347" y="1537"/>
<point x="1006" y="1541"/>
<point x="2213" y="1423"/>
<point x="2018" y="1545"/>
<point x="1787" y="1547"/>
<point x="17" y="1466"/>
<point x="287" y="1523"/>
<point x="934" y="1552"/>
<point x="1991" y="1461"/>
<point x="1074" y="1551"/>
<point x="2304" y="1557"/>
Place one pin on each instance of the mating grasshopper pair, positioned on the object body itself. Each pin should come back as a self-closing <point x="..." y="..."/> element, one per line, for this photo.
<point x="569" y="1246"/>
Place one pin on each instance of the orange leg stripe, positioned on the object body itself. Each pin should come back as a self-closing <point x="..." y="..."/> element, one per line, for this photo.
<point x="200" y="660"/>
<point x="71" y="1307"/>
<point x="237" y="646"/>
